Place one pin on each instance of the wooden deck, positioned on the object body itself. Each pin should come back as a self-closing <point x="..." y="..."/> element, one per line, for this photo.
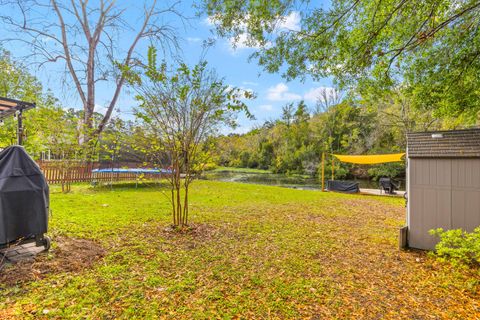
<point x="378" y="193"/>
<point x="18" y="253"/>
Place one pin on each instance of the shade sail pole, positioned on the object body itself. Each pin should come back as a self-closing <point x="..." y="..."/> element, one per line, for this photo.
<point x="333" y="168"/>
<point x="323" y="171"/>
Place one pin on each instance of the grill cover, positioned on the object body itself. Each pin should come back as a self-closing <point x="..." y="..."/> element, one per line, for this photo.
<point x="24" y="196"/>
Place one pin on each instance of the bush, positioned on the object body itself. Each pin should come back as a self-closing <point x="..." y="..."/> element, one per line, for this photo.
<point x="458" y="246"/>
<point x="390" y="170"/>
<point x="341" y="170"/>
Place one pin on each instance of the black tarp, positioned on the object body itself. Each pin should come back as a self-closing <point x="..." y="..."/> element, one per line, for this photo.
<point x="24" y="196"/>
<point x="342" y="186"/>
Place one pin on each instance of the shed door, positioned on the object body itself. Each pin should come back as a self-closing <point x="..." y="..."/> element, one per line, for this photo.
<point x="443" y="193"/>
<point x="465" y="194"/>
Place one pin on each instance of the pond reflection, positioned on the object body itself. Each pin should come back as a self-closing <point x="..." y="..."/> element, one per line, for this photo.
<point x="273" y="179"/>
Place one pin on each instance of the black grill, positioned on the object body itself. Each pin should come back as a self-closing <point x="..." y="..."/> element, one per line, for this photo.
<point x="24" y="199"/>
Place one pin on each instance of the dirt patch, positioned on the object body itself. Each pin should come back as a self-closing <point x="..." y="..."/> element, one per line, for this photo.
<point x="66" y="255"/>
<point x="199" y="230"/>
<point x="168" y="238"/>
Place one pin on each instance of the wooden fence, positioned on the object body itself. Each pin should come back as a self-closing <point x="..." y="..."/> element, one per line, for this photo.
<point x="55" y="172"/>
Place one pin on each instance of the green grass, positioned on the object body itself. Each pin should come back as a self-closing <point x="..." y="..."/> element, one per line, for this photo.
<point x="257" y="252"/>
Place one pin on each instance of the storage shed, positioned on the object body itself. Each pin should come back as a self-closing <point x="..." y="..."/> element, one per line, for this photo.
<point x="443" y="183"/>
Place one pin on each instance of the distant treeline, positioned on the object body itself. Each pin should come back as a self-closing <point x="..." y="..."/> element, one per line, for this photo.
<point x="368" y="125"/>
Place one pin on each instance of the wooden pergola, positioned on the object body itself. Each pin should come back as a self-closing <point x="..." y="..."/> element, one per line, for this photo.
<point x="10" y="107"/>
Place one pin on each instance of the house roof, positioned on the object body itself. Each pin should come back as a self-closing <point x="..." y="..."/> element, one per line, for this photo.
<point x="8" y="107"/>
<point x="444" y="144"/>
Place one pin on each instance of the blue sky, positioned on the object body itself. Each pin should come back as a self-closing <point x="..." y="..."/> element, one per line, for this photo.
<point x="272" y="90"/>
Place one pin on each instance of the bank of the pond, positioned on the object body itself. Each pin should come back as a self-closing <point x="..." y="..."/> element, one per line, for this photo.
<point x="264" y="177"/>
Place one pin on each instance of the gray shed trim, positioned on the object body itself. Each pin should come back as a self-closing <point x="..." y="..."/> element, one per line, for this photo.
<point x="444" y="144"/>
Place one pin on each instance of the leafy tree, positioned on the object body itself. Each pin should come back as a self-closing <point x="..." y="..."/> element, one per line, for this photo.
<point x="58" y="133"/>
<point x="287" y="113"/>
<point x="183" y="108"/>
<point x="17" y="83"/>
<point x="266" y="155"/>
<point x="301" y="114"/>
<point x="432" y="46"/>
<point x="123" y="141"/>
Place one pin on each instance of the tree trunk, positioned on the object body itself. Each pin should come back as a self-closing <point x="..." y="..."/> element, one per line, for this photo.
<point x="185" y="205"/>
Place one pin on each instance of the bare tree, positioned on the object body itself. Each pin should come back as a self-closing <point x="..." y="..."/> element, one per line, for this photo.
<point x="95" y="42"/>
<point x="396" y="112"/>
<point x="327" y="98"/>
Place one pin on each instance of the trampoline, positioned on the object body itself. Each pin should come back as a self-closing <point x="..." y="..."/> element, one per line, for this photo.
<point x="105" y="174"/>
<point x="132" y="170"/>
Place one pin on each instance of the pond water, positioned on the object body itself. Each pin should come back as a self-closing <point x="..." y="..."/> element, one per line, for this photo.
<point x="281" y="180"/>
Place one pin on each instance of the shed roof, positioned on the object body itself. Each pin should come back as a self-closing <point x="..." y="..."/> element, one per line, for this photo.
<point x="8" y="107"/>
<point x="444" y="144"/>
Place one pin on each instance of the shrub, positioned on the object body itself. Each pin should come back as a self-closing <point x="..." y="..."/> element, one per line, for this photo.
<point x="458" y="245"/>
<point x="390" y="170"/>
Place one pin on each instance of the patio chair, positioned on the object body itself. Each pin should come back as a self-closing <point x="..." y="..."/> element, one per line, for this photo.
<point x="388" y="185"/>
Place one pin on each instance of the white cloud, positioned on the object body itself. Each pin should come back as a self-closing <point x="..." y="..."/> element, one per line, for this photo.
<point x="313" y="94"/>
<point x="266" y="107"/>
<point x="247" y="90"/>
<point x="243" y="42"/>
<point x="194" y="39"/>
<point x="280" y="93"/>
<point x="241" y="129"/>
<point x="100" y="108"/>
<point x="241" y="91"/>
<point x="46" y="39"/>
<point x="290" y="22"/>
<point x="209" y="21"/>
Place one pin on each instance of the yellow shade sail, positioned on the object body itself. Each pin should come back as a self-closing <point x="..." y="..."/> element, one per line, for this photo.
<point x="371" y="158"/>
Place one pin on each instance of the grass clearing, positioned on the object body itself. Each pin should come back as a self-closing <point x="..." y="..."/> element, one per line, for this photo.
<point x="256" y="252"/>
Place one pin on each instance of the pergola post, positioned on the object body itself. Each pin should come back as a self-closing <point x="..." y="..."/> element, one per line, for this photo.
<point x="20" y="127"/>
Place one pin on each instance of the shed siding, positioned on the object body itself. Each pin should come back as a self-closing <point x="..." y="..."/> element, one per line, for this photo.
<point x="430" y="200"/>
<point x="444" y="193"/>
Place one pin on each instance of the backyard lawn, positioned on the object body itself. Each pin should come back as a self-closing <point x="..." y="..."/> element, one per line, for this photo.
<point x="255" y="252"/>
